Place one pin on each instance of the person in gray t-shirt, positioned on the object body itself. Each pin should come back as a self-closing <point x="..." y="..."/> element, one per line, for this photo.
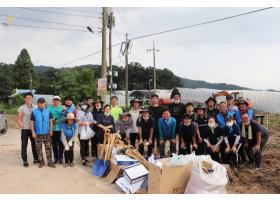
<point x="23" y="120"/>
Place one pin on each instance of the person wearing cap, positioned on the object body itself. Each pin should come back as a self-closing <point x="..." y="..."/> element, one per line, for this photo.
<point x="156" y="113"/>
<point x="177" y="108"/>
<point x="243" y="107"/>
<point x="96" y="113"/>
<point x="232" y="138"/>
<point x="23" y="120"/>
<point x="134" y="112"/>
<point x="167" y="131"/>
<point x="223" y="113"/>
<point x="85" y="121"/>
<point x="41" y="125"/>
<point x="187" y="132"/>
<point x="69" y="107"/>
<point x="145" y="125"/>
<point x="202" y="123"/>
<point x="116" y="111"/>
<point x="123" y="126"/>
<point x="69" y="130"/>
<point x="211" y="107"/>
<point x="230" y="104"/>
<point x="214" y="136"/>
<point x="56" y="111"/>
<point x="251" y="141"/>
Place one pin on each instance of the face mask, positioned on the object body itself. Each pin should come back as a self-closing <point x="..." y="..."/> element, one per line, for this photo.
<point x="84" y="107"/>
<point x="145" y="118"/>
<point x="211" y="125"/>
<point x="106" y="114"/>
<point x="229" y="124"/>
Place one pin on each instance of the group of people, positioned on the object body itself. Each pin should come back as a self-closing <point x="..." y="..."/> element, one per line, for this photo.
<point x="229" y="133"/>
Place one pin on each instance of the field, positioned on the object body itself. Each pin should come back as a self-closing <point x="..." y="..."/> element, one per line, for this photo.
<point x="79" y="179"/>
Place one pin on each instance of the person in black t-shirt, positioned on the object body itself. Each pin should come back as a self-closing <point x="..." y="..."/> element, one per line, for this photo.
<point x="177" y="109"/>
<point x="156" y="113"/>
<point x="214" y="137"/>
<point x="145" y="125"/>
<point x="202" y="123"/>
<point x="187" y="135"/>
<point x="211" y="110"/>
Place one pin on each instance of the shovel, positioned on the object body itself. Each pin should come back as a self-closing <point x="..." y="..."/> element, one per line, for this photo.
<point x="98" y="163"/>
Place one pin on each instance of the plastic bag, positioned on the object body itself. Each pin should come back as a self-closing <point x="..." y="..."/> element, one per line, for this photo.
<point x="204" y="183"/>
<point x="86" y="133"/>
<point x="179" y="160"/>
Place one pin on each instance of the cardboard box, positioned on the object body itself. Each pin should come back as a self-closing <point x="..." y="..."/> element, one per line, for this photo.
<point x="135" y="173"/>
<point x="168" y="180"/>
<point x="123" y="160"/>
<point x="115" y="172"/>
<point x="127" y="187"/>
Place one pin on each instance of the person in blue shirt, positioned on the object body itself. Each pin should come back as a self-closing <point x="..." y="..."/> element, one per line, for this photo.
<point x="223" y="113"/>
<point x="41" y="125"/>
<point x="69" y="130"/>
<point x="233" y="141"/>
<point x="243" y="107"/>
<point x="167" y="131"/>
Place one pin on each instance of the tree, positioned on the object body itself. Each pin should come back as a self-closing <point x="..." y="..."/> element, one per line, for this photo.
<point x="23" y="70"/>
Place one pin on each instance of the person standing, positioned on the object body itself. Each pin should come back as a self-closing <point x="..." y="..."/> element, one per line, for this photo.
<point x="41" y="127"/>
<point x="145" y="125"/>
<point x="134" y="112"/>
<point x="85" y="121"/>
<point x="115" y="110"/>
<point x="69" y="107"/>
<point x="23" y="120"/>
<point x="187" y="132"/>
<point x="90" y="103"/>
<point x="96" y="113"/>
<point x="211" y="110"/>
<point x="156" y="113"/>
<point x="223" y="114"/>
<point x="69" y="129"/>
<point x="58" y="148"/>
<point x="202" y="123"/>
<point x="167" y="131"/>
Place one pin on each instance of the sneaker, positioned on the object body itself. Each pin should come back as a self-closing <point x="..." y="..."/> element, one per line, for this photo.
<point x="25" y="164"/>
<point x="52" y="165"/>
<point x="60" y="161"/>
<point x="84" y="162"/>
<point x="36" y="161"/>
<point x="71" y="164"/>
<point x="41" y="165"/>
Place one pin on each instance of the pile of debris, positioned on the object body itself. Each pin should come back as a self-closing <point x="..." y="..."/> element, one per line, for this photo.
<point x="123" y="165"/>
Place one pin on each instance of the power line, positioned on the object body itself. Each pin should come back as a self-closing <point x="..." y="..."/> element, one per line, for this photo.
<point x="200" y="24"/>
<point x="143" y="19"/>
<point x="128" y="19"/>
<point x="53" y="12"/>
<point x="175" y="29"/>
<point x="75" y="10"/>
<point x="124" y="19"/>
<point x="41" y="21"/>
<point x="46" y="28"/>
<point x="94" y="53"/>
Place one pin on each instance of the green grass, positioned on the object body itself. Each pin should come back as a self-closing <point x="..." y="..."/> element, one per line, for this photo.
<point x="9" y="109"/>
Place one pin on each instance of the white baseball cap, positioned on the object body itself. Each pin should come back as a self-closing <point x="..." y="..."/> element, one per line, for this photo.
<point x="56" y="97"/>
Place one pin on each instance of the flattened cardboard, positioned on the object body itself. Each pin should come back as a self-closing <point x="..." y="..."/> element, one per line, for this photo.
<point x="115" y="172"/>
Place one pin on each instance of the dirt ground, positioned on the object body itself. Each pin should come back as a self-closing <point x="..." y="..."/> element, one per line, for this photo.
<point x="17" y="179"/>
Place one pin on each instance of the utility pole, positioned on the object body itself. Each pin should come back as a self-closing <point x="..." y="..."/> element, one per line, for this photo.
<point x="111" y="24"/>
<point x="104" y="28"/>
<point x="126" y="69"/>
<point x="154" y="50"/>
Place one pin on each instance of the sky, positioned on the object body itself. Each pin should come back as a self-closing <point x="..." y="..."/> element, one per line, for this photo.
<point x="243" y="50"/>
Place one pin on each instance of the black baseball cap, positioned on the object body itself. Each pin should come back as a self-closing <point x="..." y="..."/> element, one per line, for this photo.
<point x="41" y="100"/>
